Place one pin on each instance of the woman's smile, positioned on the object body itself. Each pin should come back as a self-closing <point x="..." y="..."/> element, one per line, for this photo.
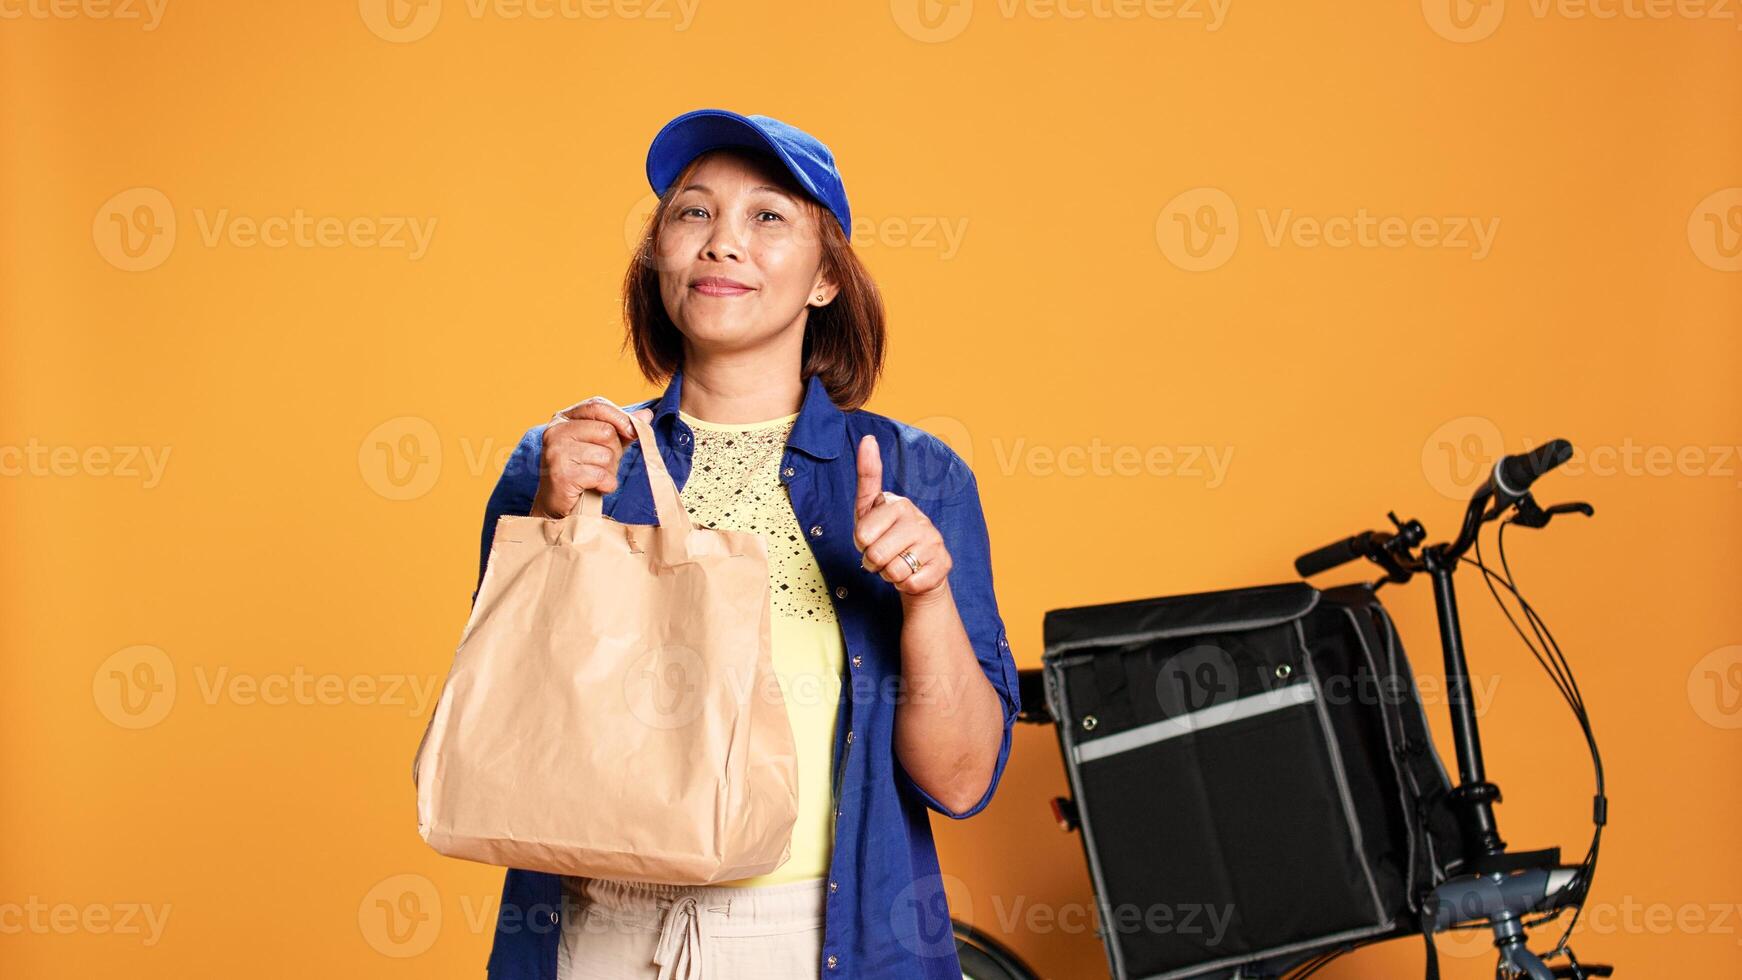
<point x="720" y="286"/>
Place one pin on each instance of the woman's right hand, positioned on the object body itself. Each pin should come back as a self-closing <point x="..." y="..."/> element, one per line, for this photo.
<point x="582" y="447"/>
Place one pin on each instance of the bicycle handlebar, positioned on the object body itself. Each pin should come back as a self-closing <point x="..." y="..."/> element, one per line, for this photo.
<point x="1514" y="474"/>
<point x="1508" y="483"/>
<point x="1337" y="553"/>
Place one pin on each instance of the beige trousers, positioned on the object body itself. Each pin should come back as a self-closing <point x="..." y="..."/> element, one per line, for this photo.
<point x="616" y="930"/>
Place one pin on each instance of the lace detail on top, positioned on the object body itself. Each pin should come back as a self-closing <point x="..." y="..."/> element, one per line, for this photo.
<point x="734" y="483"/>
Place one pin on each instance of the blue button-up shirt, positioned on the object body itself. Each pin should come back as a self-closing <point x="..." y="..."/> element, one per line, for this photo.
<point x="886" y="916"/>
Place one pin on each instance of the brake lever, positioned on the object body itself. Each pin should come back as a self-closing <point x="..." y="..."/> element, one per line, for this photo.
<point x="1530" y="514"/>
<point x="1579" y="971"/>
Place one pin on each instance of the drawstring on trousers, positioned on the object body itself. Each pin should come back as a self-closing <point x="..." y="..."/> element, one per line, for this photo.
<point x="680" y="954"/>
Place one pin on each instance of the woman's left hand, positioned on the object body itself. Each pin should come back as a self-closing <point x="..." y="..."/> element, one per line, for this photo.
<point x="886" y="524"/>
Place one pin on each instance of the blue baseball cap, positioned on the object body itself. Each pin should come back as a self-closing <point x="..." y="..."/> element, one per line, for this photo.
<point x="696" y="132"/>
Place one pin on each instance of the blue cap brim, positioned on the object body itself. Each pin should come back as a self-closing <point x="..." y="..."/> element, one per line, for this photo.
<point x="700" y="130"/>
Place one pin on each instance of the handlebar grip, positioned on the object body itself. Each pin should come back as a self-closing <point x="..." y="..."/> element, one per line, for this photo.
<point x="1331" y="555"/>
<point x="1515" y="474"/>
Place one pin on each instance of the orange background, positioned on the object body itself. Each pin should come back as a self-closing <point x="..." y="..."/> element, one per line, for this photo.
<point x="328" y="415"/>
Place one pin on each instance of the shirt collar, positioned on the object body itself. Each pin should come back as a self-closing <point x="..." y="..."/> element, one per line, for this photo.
<point x="819" y="431"/>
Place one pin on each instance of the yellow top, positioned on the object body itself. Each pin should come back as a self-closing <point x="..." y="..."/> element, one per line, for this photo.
<point x="734" y="483"/>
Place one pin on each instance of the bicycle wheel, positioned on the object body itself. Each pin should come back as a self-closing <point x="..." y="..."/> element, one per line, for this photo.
<point x="984" y="958"/>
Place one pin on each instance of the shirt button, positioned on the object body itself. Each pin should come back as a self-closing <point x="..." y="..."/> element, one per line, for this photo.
<point x="816" y="530"/>
<point x="787" y="472"/>
<point x="832" y="886"/>
<point x="858" y="661"/>
<point x="840" y="592"/>
<point x="849" y="738"/>
<point x="683" y="437"/>
<point x="833" y="961"/>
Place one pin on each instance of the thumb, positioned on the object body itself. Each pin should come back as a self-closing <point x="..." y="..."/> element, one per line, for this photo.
<point x="870" y="475"/>
<point x="645" y="415"/>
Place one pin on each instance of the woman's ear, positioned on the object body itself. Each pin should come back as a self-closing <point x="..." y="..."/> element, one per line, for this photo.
<point x="822" y="294"/>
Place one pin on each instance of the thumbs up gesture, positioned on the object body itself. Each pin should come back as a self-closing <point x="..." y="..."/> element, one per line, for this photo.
<point x="895" y="538"/>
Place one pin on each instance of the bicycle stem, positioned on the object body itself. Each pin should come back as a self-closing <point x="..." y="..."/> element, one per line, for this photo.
<point x="1474" y="798"/>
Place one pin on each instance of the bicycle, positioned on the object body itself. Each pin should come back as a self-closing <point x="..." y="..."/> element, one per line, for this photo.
<point x="1506" y="892"/>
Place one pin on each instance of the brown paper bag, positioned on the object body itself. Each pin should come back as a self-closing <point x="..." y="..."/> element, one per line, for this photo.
<point x="612" y="710"/>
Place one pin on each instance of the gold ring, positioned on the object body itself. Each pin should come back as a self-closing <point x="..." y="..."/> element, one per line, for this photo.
<point x="912" y="562"/>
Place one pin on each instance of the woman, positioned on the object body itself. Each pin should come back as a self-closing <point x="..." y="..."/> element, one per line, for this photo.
<point x="898" y="678"/>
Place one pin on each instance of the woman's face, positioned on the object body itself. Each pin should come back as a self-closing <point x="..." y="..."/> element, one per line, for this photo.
<point x="738" y="255"/>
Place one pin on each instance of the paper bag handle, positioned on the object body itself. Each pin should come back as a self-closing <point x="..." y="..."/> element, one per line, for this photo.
<point x="673" y="519"/>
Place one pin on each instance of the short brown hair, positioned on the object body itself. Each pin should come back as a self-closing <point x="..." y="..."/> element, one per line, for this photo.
<point x="843" y="341"/>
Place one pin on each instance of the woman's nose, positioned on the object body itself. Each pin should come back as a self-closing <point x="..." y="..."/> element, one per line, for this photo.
<point x="723" y="243"/>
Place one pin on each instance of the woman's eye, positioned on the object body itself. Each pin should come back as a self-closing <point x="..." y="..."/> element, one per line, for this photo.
<point x="683" y="212"/>
<point x="775" y="215"/>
